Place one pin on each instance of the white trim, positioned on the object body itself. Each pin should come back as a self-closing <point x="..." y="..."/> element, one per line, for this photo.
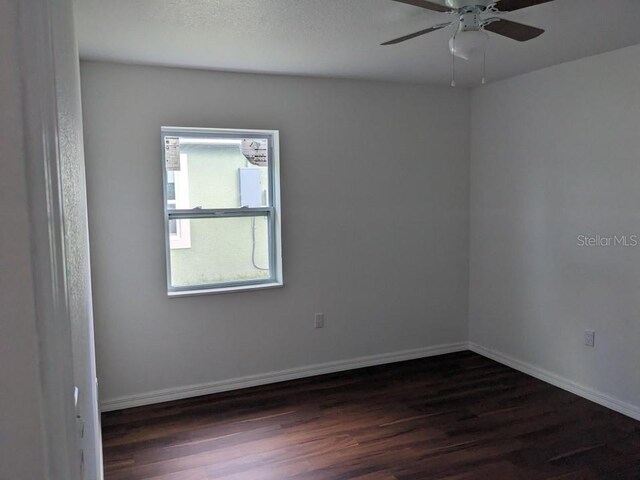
<point x="189" y="391"/>
<point x="275" y="202"/>
<point x="600" y="398"/>
<point x="214" y="291"/>
<point x="216" y="130"/>
<point x="40" y="29"/>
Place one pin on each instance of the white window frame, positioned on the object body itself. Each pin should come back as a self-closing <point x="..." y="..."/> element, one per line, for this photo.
<point x="271" y="211"/>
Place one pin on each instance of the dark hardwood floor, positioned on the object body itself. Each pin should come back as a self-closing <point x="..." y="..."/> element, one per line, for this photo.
<point x="457" y="416"/>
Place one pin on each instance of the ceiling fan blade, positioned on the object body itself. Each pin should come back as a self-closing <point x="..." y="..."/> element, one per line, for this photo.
<point x="514" y="30"/>
<point x="511" y="5"/>
<point x="436" y="7"/>
<point x="417" y="34"/>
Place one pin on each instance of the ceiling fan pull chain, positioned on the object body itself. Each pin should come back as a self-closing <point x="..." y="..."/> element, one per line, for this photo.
<point x="484" y="68"/>
<point x="453" y="65"/>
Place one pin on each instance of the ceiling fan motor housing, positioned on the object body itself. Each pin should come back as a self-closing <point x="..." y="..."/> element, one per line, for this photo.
<point x="470" y="21"/>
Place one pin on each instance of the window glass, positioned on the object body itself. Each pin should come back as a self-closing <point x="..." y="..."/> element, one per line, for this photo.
<point x="229" y="172"/>
<point x="223" y="250"/>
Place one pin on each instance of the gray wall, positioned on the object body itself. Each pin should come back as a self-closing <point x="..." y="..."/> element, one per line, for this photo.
<point x="556" y="154"/>
<point x="22" y="450"/>
<point x="375" y="224"/>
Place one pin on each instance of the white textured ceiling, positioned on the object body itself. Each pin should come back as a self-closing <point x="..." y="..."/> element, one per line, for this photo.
<point x="339" y="38"/>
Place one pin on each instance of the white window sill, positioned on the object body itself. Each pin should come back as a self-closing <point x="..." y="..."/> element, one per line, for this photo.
<point x="215" y="291"/>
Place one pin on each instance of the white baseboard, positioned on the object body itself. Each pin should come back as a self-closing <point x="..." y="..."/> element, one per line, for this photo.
<point x="600" y="398"/>
<point x="178" y="393"/>
<point x="160" y="396"/>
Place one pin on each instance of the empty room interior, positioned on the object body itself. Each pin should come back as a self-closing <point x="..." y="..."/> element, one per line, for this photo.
<point x="320" y="240"/>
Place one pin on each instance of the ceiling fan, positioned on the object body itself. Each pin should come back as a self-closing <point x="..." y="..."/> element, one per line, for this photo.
<point x="475" y="18"/>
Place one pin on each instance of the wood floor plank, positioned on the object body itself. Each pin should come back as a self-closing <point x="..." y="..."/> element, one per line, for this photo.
<point x="458" y="417"/>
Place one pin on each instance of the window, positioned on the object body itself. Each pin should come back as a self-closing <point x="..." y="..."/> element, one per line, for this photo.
<point x="222" y="210"/>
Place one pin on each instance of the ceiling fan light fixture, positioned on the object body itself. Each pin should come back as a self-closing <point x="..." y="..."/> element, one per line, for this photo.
<point x="468" y="44"/>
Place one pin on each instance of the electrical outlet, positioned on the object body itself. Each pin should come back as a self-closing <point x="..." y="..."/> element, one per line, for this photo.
<point x="319" y="320"/>
<point x="590" y="338"/>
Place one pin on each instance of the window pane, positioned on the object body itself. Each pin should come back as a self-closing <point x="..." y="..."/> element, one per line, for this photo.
<point x="171" y="191"/>
<point x="223" y="172"/>
<point x="223" y="250"/>
<point x="173" y="227"/>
